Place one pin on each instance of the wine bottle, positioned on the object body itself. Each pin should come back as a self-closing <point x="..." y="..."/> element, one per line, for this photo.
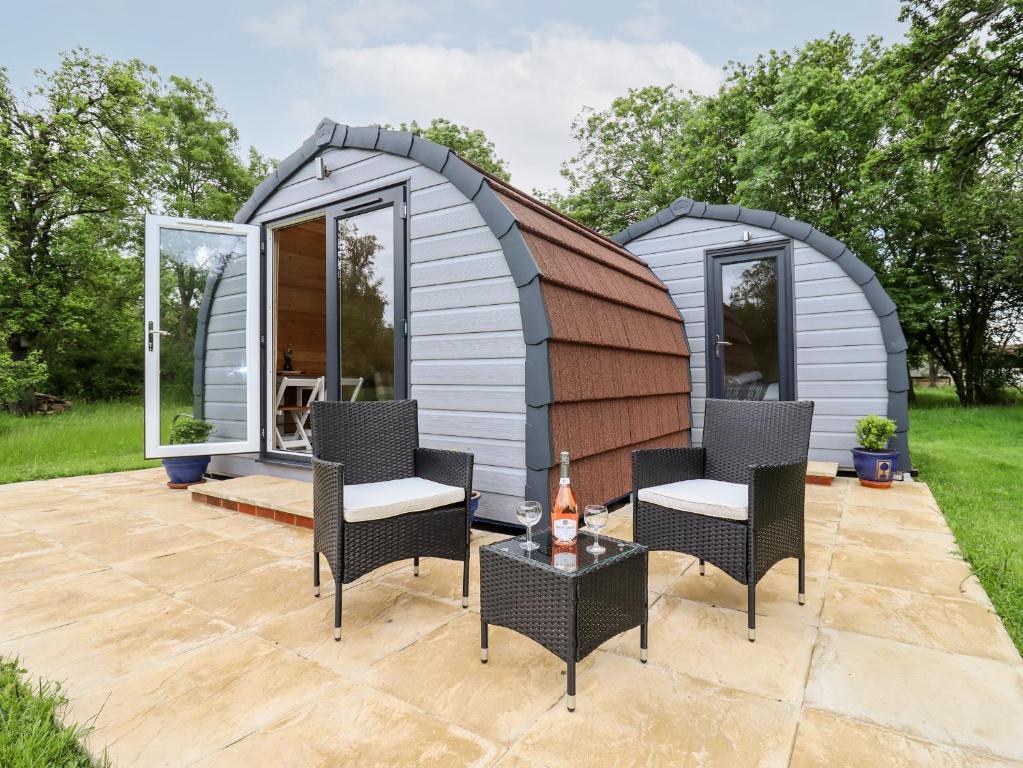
<point x="564" y="512"/>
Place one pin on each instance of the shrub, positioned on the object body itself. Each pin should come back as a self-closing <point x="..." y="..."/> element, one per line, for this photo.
<point x="185" y="430"/>
<point x="873" y="432"/>
<point x="20" y="378"/>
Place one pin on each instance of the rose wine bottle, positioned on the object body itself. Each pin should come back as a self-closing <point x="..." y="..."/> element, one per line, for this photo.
<point x="565" y="512"/>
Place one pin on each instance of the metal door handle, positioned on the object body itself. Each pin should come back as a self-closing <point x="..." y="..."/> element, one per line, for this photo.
<point x="153" y="332"/>
<point x="718" y="344"/>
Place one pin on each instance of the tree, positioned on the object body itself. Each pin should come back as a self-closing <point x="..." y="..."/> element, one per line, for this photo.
<point x="72" y="176"/>
<point x="958" y="195"/>
<point x="471" y="144"/>
<point x="71" y="170"/>
<point x="623" y="171"/>
<point x="82" y="155"/>
<point x="197" y="173"/>
<point x="909" y="154"/>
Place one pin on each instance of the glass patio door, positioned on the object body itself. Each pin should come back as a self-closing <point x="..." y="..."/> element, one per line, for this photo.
<point x="367" y="327"/>
<point x="750" y="329"/>
<point x="202" y="334"/>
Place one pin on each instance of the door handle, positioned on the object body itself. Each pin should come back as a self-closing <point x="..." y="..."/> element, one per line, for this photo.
<point x="718" y="343"/>
<point x="153" y="332"/>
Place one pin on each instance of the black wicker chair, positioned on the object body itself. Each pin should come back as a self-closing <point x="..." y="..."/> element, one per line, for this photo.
<point x="762" y="445"/>
<point x="372" y="442"/>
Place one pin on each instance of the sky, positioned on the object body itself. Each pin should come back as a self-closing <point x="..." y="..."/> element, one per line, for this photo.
<point x="521" y="70"/>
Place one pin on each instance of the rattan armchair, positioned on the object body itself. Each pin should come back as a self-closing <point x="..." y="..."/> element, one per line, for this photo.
<point x="751" y="516"/>
<point x="357" y="449"/>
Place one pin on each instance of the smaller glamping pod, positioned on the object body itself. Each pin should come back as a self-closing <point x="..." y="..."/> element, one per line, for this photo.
<point x="372" y="264"/>
<point x="775" y="309"/>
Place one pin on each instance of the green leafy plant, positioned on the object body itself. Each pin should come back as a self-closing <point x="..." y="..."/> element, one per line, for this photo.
<point x="19" y="378"/>
<point x="185" y="430"/>
<point x="873" y="432"/>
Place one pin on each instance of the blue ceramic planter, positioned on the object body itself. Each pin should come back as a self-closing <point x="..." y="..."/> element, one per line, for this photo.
<point x="474" y="504"/>
<point x="185" y="470"/>
<point x="875" y="469"/>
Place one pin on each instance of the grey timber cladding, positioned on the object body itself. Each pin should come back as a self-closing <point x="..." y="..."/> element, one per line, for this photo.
<point x="219" y="389"/>
<point x="880" y="304"/>
<point x="510" y="250"/>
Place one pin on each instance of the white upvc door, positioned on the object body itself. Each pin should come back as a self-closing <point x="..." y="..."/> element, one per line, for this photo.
<point x="202" y="333"/>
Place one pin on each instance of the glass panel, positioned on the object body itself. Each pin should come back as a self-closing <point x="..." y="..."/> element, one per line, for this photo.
<point x="574" y="560"/>
<point x="365" y="255"/>
<point x="203" y="365"/>
<point x="749" y="291"/>
<point x="300" y="327"/>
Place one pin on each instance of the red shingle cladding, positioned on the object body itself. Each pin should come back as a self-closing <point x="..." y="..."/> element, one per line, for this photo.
<point x="618" y="357"/>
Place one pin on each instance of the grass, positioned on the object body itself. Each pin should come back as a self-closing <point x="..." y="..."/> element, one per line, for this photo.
<point x="31" y="734"/>
<point x="90" y="438"/>
<point x="971" y="459"/>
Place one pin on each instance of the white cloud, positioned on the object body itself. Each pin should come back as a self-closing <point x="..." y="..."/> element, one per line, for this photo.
<point x="524" y="98"/>
<point x="646" y="21"/>
<point x="289" y="28"/>
<point x="358" y="22"/>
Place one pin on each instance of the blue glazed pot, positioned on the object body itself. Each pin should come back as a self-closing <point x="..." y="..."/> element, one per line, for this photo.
<point x="474" y="504"/>
<point x="185" y="470"/>
<point x="875" y="469"/>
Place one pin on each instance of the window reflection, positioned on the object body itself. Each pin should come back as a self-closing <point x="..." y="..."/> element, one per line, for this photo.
<point x="365" y="256"/>
<point x="750" y="312"/>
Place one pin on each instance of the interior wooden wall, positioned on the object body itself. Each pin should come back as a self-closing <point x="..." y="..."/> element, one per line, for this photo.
<point x="301" y="299"/>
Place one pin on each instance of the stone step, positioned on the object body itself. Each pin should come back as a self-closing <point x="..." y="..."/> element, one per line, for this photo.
<point x="821" y="472"/>
<point x="274" y="498"/>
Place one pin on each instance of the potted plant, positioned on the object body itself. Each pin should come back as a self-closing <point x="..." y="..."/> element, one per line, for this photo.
<point x="183" y="471"/>
<point x="874" y="462"/>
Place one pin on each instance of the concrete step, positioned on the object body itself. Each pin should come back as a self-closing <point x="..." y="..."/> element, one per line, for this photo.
<point x="273" y="498"/>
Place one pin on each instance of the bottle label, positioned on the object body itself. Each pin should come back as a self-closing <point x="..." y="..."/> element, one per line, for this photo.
<point x="565" y="529"/>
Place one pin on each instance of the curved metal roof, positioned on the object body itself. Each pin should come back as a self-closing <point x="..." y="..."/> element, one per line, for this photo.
<point x="860" y="273"/>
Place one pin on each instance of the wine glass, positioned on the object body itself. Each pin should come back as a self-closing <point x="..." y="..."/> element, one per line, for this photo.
<point x="596" y="518"/>
<point x="529" y="514"/>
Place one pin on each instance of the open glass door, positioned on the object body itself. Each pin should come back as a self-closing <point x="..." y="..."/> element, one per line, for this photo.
<point x="750" y="329"/>
<point x="202" y="333"/>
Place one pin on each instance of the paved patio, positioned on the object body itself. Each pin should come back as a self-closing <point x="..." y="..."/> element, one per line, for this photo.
<point x="191" y="635"/>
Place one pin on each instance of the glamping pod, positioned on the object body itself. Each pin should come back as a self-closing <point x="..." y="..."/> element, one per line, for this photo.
<point x="775" y="309"/>
<point x="372" y="264"/>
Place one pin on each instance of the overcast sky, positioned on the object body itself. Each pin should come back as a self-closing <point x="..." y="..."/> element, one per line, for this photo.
<point x="518" y="69"/>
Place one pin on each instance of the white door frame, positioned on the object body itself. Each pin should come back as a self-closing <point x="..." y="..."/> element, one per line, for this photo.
<point x="153" y="333"/>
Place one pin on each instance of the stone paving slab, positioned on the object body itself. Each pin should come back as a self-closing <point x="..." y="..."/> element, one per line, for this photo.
<point x="189" y="634"/>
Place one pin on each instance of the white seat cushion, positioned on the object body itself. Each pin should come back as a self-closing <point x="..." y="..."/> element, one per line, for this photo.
<point x="702" y="497"/>
<point x="375" y="501"/>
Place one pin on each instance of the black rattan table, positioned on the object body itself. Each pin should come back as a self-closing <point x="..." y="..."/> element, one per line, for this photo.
<point x="571" y="608"/>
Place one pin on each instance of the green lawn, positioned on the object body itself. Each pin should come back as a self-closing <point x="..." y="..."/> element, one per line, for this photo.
<point x="972" y="459"/>
<point x="90" y="438"/>
<point x="31" y="736"/>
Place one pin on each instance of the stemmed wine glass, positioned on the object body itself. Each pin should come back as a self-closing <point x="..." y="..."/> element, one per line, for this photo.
<point x="529" y="514"/>
<point x="596" y="518"/>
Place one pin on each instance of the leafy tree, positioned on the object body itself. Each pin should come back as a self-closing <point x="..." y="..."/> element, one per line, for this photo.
<point x="471" y="144"/>
<point x="72" y="170"/>
<point x="908" y="154"/>
<point x="82" y="155"/>
<point x="19" y="378"/>
<point x="197" y="173"/>
<point x="624" y="170"/>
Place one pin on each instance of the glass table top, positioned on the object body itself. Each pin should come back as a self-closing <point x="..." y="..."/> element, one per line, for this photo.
<point x="574" y="560"/>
